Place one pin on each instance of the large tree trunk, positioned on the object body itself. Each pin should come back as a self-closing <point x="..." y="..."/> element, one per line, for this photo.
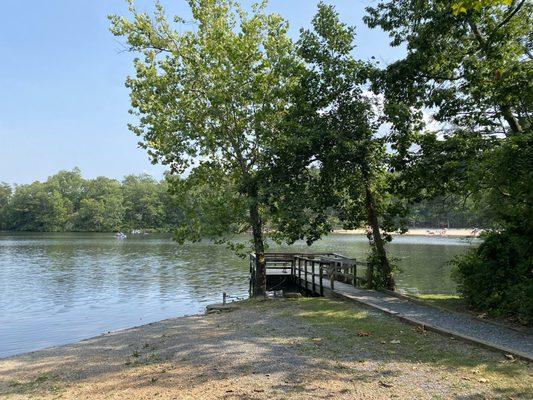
<point x="259" y="249"/>
<point x="386" y="270"/>
<point x="511" y="119"/>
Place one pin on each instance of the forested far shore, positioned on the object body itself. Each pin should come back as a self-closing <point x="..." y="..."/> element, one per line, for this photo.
<point x="68" y="202"/>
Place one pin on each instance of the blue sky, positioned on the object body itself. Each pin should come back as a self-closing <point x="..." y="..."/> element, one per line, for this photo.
<point x="63" y="103"/>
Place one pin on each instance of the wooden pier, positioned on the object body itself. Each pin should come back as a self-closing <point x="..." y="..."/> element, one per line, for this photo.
<point x="339" y="276"/>
<point x="315" y="273"/>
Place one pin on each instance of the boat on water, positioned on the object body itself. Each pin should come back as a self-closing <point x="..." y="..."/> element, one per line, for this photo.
<point x="120" y="235"/>
<point x="138" y="232"/>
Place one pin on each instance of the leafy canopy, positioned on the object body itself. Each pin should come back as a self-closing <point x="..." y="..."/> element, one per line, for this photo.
<point x="472" y="72"/>
<point x="211" y="95"/>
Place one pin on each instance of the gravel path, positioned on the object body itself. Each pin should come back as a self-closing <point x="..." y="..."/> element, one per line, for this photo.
<point x="460" y="325"/>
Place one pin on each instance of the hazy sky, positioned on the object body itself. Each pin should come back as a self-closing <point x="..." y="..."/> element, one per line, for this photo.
<point x="62" y="97"/>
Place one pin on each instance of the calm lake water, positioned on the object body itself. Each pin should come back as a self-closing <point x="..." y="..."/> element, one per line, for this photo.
<point x="61" y="288"/>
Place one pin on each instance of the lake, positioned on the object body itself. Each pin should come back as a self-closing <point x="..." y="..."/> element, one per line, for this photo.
<point x="61" y="288"/>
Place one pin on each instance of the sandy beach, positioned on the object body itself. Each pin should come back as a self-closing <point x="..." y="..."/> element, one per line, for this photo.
<point x="437" y="232"/>
<point x="273" y="349"/>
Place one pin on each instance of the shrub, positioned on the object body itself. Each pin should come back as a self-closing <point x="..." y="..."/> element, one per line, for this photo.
<point x="497" y="277"/>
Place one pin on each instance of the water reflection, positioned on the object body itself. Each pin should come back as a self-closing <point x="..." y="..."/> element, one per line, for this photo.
<point x="59" y="288"/>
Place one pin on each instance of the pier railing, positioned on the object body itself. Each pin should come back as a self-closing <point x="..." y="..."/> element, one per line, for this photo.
<point x="311" y="271"/>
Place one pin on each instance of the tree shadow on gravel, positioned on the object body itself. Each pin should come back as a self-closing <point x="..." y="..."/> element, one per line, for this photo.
<point x="285" y="347"/>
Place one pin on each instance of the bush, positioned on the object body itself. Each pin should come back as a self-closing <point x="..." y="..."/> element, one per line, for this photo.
<point x="497" y="277"/>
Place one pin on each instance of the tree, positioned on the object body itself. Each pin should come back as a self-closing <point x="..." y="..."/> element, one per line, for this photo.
<point x="471" y="67"/>
<point x="470" y="64"/>
<point x="70" y="186"/>
<point x="173" y="214"/>
<point x="339" y="129"/>
<point x="102" y="207"/>
<point x="211" y="100"/>
<point x="144" y="208"/>
<point x="35" y="208"/>
<point x="5" y="197"/>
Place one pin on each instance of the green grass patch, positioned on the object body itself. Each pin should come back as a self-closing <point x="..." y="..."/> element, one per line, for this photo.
<point x="43" y="381"/>
<point x="348" y="329"/>
<point x="448" y="301"/>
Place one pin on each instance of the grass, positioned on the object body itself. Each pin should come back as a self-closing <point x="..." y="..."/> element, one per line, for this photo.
<point x="448" y="301"/>
<point x="344" y="325"/>
<point x="34" y="385"/>
<point x="456" y="303"/>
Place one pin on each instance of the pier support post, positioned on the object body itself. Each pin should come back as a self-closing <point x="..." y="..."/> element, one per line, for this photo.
<point x="305" y="272"/>
<point x="320" y="277"/>
<point x="300" y="272"/>
<point x="313" y="275"/>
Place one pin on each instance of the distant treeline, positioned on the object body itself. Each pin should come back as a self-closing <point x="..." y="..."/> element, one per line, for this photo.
<point x="450" y="212"/>
<point x="68" y="202"/>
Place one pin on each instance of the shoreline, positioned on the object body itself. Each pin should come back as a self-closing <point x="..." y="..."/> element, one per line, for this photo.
<point x="267" y="349"/>
<point x="97" y="336"/>
<point x="426" y="232"/>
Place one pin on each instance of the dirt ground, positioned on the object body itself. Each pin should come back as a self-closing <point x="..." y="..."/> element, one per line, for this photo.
<point x="272" y="349"/>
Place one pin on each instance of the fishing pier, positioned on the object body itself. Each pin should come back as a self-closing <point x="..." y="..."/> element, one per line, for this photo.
<point x="313" y="273"/>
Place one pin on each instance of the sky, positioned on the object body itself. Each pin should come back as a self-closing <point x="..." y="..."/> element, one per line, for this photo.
<point x="63" y="103"/>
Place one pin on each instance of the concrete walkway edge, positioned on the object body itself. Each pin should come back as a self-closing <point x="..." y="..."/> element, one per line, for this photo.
<point x="349" y="295"/>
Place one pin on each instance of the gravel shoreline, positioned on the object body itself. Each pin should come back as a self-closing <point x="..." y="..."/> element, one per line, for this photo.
<point x="274" y="349"/>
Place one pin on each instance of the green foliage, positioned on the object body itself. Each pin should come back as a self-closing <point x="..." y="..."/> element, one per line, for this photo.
<point x="497" y="277"/>
<point x="380" y="277"/>
<point x="102" y="207"/>
<point x="143" y="201"/>
<point x="464" y="6"/>
<point x="473" y="69"/>
<point x="449" y="211"/>
<point x="67" y="202"/>
<point x="212" y="207"/>
<point x="5" y="195"/>
<point x="211" y="96"/>
<point x="69" y="184"/>
<point x="469" y="64"/>
<point x="507" y="195"/>
<point x="36" y="207"/>
<point x="336" y="156"/>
